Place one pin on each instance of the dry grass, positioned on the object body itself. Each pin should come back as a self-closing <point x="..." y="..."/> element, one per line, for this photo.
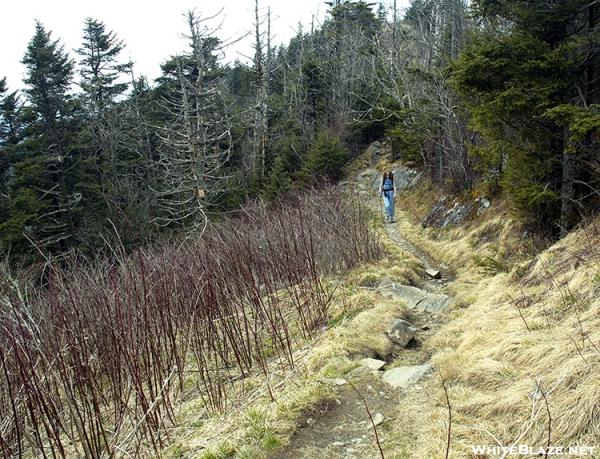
<point x="534" y="323"/>
<point x="522" y="328"/>
<point x="358" y="318"/>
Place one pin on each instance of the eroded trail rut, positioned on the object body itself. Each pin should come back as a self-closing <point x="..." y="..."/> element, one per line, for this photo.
<point x="343" y="428"/>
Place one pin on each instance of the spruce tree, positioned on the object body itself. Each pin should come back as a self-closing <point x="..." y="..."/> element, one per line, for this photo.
<point x="109" y="160"/>
<point x="10" y="131"/>
<point x="43" y="200"/>
<point x="10" y="121"/>
<point x="515" y="77"/>
<point x="4" y="164"/>
<point x="100" y="69"/>
<point x="48" y="79"/>
<point x="3" y="124"/>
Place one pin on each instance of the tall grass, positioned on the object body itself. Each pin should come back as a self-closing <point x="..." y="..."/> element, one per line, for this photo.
<point x="92" y="364"/>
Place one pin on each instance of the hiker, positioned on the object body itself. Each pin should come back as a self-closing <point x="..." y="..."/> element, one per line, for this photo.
<point x="387" y="190"/>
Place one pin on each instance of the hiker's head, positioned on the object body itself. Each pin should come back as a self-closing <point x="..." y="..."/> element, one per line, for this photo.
<point x="388" y="175"/>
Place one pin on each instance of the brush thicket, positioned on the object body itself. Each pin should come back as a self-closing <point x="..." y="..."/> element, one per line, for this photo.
<point x="93" y="363"/>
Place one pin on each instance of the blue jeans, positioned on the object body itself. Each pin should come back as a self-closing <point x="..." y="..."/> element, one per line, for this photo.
<point x="388" y="202"/>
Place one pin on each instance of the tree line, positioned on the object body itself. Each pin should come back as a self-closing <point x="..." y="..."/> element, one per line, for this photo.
<point x="497" y="97"/>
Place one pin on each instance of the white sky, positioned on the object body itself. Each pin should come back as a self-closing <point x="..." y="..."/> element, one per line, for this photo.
<point x="151" y="29"/>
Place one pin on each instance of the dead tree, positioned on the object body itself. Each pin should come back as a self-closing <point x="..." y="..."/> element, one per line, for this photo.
<point x="197" y="142"/>
<point x="261" y="81"/>
<point x="407" y="68"/>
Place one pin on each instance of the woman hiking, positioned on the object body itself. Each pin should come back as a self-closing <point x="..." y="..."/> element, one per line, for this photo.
<point x="387" y="190"/>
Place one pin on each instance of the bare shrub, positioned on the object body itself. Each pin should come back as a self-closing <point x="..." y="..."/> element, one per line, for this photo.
<point x="91" y="364"/>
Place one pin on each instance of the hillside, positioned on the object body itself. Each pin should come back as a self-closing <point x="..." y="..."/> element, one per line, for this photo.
<point x="198" y="266"/>
<point x="509" y="336"/>
<point x="489" y="94"/>
<point x="315" y="328"/>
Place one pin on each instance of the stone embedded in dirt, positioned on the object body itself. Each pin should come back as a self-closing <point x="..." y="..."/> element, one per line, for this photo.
<point x="336" y="381"/>
<point x="386" y="284"/>
<point x="373" y="364"/>
<point x="434" y="303"/>
<point x="414" y="297"/>
<point x="338" y="443"/>
<point x="400" y="332"/>
<point x="377" y="419"/>
<point x="359" y="372"/>
<point x="405" y="177"/>
<point x="484" y="205"/>
<point x="404" y="377"/>
<point x="415" y="181"/>
<point x="433" y="273"/>
<point x="445" y="213"/>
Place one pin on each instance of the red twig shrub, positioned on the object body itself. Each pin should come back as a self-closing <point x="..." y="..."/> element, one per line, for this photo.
<point x="90" y="363"/>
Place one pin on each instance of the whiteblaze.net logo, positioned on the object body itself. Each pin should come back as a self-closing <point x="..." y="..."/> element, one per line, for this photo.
<point x="526" y="450"/>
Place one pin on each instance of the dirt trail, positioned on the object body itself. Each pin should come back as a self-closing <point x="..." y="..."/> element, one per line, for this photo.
<point x="343" y="428"/>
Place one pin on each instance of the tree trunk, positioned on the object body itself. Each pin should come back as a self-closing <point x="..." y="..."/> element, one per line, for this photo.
<point x="567" y="190"/>
<point x="261" y="66"/>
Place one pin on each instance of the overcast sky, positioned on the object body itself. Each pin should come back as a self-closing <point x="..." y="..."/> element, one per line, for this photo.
<point x="151" y="29"/>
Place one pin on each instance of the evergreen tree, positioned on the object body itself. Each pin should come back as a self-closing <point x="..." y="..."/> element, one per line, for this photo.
<point x="4" y="125"/>
<point x="514" y="77"/>
<point x="48" y="79"/>
<point x="326" y="158"/>
<point x="43" y="198"/>
<point x="10" y="132"/>
<point x="10" y="119"/>
<point x="100" y="69"/>
<point x="108" y="154"/>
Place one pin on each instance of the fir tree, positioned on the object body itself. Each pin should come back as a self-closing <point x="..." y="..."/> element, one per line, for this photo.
<point x="42" y="199"/>
<point x="100" y="69"/>
<point x="514" y="77"/>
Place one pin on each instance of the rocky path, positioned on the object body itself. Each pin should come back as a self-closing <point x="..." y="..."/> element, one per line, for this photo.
<point x="344" y="429"/>
<point x="366" y="184"/>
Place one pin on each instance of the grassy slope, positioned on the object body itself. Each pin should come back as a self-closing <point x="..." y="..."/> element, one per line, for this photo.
<point x="256" y="424"/>
<point x="492" y="358"/>
<point x="524" y="329"/>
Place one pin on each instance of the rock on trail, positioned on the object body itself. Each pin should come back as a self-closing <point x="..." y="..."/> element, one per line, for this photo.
<point x="414" y="297"/>
<point x="373" y="364"/>
<point x="401" y="332"/>
<point x="343" y="429"/>
<point x="404" y="377"/>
